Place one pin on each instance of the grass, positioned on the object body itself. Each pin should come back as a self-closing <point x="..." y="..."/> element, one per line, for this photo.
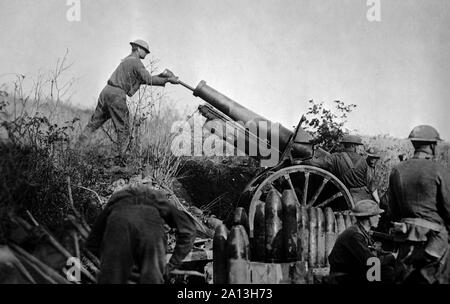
<point x="38" y="133"/>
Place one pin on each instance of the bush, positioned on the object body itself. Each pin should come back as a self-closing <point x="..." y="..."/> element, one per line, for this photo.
<point x="325" y="125"/>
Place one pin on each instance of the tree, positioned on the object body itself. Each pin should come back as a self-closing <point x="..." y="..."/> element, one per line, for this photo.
<point x="327" y="126"/>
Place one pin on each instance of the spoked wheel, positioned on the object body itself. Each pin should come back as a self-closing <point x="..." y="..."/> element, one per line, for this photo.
<point x="313" y="187"/>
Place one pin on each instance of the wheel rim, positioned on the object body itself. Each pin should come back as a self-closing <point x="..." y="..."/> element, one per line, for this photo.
<point x="313" y="187"/>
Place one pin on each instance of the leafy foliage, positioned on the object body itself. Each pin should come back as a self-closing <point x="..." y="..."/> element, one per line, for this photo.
<point x="327" y="125"/>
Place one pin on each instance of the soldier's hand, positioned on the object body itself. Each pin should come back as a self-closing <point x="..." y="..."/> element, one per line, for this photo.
<point x="167" y="74"/>
<point x="173" y="80"/>
<point x="399" y="227"/>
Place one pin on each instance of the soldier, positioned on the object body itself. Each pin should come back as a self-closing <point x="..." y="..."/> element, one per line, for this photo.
<point x="125" y="80"/>
<point x="130" y="232"/>
<point x="373" y="156"/>
<point x="350" y="167"/>
<point x="419" y="205"/>
<point x="354" y="247"/>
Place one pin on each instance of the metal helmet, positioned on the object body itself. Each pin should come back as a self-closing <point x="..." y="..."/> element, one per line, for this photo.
<point x="351" y="139"/>
<point x="142" y="44"/>
<point x="366" y="208"/>
<point x="373" y="152"/>
<point x="424" y="133"/>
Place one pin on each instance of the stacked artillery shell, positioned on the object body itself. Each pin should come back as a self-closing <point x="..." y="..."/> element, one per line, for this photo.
<point x="274" y="225"/>
<point x="303" y="234"/>
<point x="312" y="253"/>
<point x="220" y="265"/>
<point x="330" y="231"/>
<point x="238" y="250"/>
<point x="340" y="223"/>
<point x="321" y="251"/>
<point x="289" y="207"/>
<point x="240" y="218"/>
<point x="259" y="233"/>
<point x="238" y="246"/>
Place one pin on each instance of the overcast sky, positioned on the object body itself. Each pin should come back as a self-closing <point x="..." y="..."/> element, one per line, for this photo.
<point x="271" y="56"/>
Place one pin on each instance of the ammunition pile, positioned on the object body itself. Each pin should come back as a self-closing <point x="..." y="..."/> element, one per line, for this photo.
<point x="285" y="232"/>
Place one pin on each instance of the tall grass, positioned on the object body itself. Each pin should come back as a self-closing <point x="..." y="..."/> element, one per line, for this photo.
<point x="38" y="130"/>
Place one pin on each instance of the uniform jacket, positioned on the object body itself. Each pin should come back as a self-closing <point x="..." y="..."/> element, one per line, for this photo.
<point x="350" y="253"/>
<point x="420" y="188"/>
<point x="185" y="228"/>
<point x="131" y="74"/>
<point x="361" y="175"/>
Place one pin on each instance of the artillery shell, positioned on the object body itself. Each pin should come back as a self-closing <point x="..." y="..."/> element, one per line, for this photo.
<point x="340" y="223"/>
<point x="321" y="252"/>
<point x="247" y="252"/>
<point x="303" y="234"/>
<point x="220" y="264"/>
<point x="312" y="252"/>
<point x="274" y="225"/>
<point x="289" y="203"/>
<point x="259" y="233"/>
<point x="239" y="254"/>
<point x="238" y="246"/>
<point x="330" y="231"/>
<point x="240" y="218"/>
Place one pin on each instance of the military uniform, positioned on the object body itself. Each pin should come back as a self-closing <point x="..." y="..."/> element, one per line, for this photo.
<point x="125" y="80"/>
<point x="348" y="258"/>
<point x="419" y="196"/>
<point x="130" y="232"/>
<point x="352" y="170"/>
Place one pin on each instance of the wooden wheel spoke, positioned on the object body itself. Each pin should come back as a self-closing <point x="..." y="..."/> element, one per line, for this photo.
<point x="329" y="200"/>
<point x="316" y="195"/>
<point x="288" y="178"/>
<point x="305" y="189"/>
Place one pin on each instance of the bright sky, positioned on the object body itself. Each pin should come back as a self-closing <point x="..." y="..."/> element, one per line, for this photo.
<point x="271" y="56"/>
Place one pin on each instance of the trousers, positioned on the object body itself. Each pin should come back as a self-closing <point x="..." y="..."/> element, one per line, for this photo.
<point x="112" y="104"/>
<point x="134" y="237"/>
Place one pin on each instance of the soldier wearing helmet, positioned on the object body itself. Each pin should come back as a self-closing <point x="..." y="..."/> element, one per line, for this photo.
<point x="354" y="247"/>
<point x="125" y="80"/>
<point x="350" y="167"/>
<point x="419" y="205"/>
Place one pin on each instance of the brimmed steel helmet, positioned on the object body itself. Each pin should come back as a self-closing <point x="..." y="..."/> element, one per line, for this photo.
<point x="142" y="44"/>
<point x="424" y="133"/>
<point x="373" y="152"/>
<point x="366" y="208"/>
<point x="351" y="139"/>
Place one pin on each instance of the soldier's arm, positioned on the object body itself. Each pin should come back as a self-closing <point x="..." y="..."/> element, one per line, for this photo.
<point x="94" y="239"/>
<point x="185" y="228"/>
<point x="359" y="248"/>
<point x="148" y="79"/>
<point x="445" y="198"/>
<point x="323" y="162"/>
<point x="393" y="202"/>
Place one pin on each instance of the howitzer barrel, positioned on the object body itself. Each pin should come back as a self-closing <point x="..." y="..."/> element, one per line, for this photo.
<point x="239" y="113"/>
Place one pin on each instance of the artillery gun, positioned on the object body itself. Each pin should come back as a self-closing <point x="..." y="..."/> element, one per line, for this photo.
<point x="235" y="124"/>
<point x="295" y="211"/>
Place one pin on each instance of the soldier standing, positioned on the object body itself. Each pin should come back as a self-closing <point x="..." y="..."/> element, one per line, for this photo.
<point x="419" y="205"/>
<point x="125" y="80"/>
